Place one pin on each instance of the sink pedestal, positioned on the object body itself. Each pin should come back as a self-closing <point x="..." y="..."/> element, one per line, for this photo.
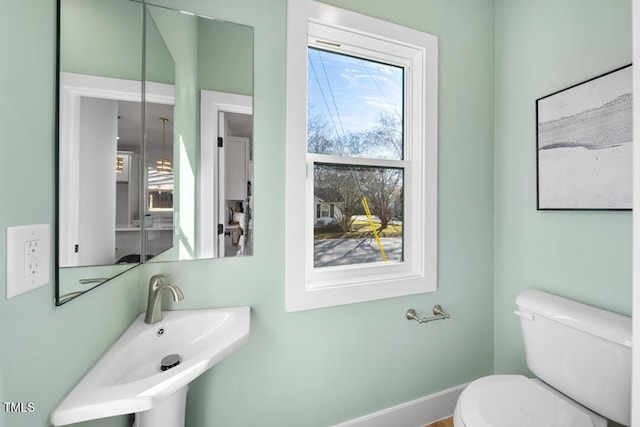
<point x="169" y="413"/>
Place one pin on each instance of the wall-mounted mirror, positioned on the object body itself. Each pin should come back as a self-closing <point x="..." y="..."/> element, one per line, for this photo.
<point x="155" y="151"/>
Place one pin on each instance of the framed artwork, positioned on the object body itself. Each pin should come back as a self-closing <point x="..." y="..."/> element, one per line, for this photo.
<point x="584" y="145"/>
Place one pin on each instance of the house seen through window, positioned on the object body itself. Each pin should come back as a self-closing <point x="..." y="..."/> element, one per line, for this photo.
<point x="355" y="138"/>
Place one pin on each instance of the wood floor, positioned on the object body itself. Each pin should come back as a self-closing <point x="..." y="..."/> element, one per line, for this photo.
<point x="447" y="422"/>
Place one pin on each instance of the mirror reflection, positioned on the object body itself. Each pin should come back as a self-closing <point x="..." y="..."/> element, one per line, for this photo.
<point x="164" y="176"/>
<point x="158" y="171"/>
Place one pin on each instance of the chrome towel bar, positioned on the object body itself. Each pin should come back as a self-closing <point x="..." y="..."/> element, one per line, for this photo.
<point x="93" y="280"/>
<point x="66" y="297"/>
<point x="439" y="314"/>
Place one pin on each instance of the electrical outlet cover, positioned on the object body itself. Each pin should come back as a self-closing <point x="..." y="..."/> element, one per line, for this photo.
<point x="28" y="258"/>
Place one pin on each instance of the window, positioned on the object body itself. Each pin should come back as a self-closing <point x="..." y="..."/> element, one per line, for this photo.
<point x="361" y="158"/>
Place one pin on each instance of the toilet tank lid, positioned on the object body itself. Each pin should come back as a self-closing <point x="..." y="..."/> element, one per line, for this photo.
<point x="595" y="321"/>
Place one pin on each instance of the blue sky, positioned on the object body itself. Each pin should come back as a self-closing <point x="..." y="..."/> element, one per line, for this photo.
<point x="352" y="92"/>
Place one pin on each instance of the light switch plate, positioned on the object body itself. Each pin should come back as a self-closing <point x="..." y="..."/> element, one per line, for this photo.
<point x="28" y="258"/>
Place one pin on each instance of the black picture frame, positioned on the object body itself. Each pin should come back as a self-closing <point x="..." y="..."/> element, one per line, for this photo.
<point x="584" y="139"/>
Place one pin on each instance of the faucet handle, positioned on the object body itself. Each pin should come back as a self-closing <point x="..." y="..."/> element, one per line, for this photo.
<point x="157" y="278"/>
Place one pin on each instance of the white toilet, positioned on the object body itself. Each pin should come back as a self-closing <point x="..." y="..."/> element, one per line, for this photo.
<point x="582" y="357"/>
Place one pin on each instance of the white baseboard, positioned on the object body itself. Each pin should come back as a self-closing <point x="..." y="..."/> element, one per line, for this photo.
<point x="416" y="413"/>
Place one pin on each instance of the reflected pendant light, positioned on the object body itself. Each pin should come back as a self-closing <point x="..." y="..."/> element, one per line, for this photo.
<point x="163" y="165"/>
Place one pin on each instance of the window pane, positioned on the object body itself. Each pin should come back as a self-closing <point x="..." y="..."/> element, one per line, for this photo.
<point x="347" y="236"/>
<point x="355" y="106"/>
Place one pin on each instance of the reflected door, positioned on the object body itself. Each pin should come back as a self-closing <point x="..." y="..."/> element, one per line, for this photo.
<point x="234" y="196"/>
<point x="97" y="219"/>
<point x="90" y="232"/>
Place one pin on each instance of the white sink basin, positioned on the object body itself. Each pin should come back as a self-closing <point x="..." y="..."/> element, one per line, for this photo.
<point x="128" y="378"/>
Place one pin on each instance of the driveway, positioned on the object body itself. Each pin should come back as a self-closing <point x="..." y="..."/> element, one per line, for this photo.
<point x="332" y="252"/>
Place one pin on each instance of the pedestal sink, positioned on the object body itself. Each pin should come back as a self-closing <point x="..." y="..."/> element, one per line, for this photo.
<point x="147" y="371"/>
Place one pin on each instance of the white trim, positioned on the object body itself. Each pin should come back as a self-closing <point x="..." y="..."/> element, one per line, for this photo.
<point x="418" y="274"/>
<point x="72" y="88"/>
<point x="211" y="104"/>
<point x="416" y="413"/>
<point x="635" y="367"/>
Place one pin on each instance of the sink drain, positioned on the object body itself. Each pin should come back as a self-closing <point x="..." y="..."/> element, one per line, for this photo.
<point x="170" y="361"/>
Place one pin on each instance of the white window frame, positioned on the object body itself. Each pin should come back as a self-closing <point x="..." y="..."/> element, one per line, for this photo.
<point x="308" y="288"/>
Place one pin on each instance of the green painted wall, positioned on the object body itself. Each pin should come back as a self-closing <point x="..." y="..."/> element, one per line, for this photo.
<point x="45" y="350"/>
<point x="159" y="65"/>
<point x="101" y="38"/>
<point x="542" y="47"/>
<point x="225" y="57"/>
<point x="312" y="368"/>
<point x="325" y="366"/>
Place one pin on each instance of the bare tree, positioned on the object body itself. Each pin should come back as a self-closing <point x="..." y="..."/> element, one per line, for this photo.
<point x="318" y="135"/>
<point x="332" y="184"/>
<point x="383" y="189"/>
<point x="346" y="185"/>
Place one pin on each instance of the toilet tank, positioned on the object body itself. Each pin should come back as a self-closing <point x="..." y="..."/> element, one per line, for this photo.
<point x="582" y="351"/>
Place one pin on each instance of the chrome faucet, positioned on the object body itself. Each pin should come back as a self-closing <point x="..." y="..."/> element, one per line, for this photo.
<point x="154" y="303"/>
